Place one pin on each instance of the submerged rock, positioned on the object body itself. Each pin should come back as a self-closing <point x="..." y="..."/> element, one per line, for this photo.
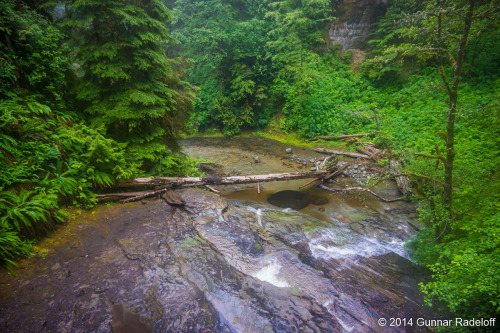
<point x="127" y="322"/>
<point x="295" y="199"/>
<point x="289" y="199"/>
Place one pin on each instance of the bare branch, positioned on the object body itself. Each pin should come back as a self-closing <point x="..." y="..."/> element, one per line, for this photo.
<point x="359" y="189"/>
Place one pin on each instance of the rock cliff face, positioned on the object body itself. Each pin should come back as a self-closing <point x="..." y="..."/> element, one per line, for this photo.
<point x="355" y="22"/>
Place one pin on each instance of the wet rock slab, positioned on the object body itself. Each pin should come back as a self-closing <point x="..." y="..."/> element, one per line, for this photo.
<point x="209" y="266"/>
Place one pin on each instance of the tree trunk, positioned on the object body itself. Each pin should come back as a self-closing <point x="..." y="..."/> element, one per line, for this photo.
<point x="450" y="125"/>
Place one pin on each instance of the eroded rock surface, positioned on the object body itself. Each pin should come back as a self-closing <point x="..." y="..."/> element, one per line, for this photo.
<point x="209" y="266"/>
<point x="355" y="21"/>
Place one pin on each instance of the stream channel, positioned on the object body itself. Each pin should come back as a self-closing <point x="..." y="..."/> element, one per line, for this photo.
<point x="315" y="261"/>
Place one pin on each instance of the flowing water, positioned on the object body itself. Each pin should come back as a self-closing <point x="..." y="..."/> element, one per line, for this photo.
<point x="229" y="263"/>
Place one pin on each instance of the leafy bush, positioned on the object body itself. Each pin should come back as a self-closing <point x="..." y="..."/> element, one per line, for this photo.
<point x="325" y="98"/>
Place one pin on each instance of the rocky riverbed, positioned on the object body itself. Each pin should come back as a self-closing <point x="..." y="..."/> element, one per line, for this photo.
<point x="232" y="262"/>
<point x="210" y="266"/>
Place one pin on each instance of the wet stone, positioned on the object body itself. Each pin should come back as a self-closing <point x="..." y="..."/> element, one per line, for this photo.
<point x="200" y="202"/>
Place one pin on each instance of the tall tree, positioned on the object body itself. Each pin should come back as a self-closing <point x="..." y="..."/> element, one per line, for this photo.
<point x="131" y="87"/>
<point x="440" y="32"/>
<point x="443" y="54"/>
<point x="31" y="57"/>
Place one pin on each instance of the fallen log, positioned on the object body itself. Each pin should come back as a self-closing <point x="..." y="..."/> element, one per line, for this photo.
<point x="372" y="149"/>
<point x="122" y="196"/>
<point x="367" y="153"/>
<point x="340" y="137"/>
<point x="337" y="172"/>
<point x="199" y="181"/>
<point x="359" y="189"/>
<point x="353" y="135"/>
<point x="337" y="152"/>
<point x="332" y="175"/>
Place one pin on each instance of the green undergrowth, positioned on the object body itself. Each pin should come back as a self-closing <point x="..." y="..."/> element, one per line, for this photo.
<point x="72" y="121"/>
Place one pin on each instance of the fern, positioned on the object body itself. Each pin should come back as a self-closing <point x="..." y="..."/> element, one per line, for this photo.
<point x="26" y="213"/>
<point x="11" y="246"/>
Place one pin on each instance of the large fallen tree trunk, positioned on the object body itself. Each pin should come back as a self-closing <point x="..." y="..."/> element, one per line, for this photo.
<point x="337" y="152"/>
<point x="199" y="181"/>
<point x="166" y="183"/>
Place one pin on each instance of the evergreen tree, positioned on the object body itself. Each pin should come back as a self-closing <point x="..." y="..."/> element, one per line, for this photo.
<point x="32" y="60"/>
<point x="131" y="87"/>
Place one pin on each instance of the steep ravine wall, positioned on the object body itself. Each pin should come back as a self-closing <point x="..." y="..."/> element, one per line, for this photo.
<point x="355" y="22"/>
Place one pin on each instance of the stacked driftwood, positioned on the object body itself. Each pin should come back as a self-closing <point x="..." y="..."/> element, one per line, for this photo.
<point x="367" y="154"/>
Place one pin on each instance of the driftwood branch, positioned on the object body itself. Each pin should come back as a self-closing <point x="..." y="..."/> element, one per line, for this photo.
<point x="326" y="161"/>
<point x="214" y="190"/>
<point x="371" y="155"/>
<point x="337" y="152"/>
<point x="359" y="189"/>
<point x="337" y="172"/>
<point x="340" y="137"/>
<point x="332" y="175"/>
<point x="309" y="182"/>
<point x="126" y="195"/>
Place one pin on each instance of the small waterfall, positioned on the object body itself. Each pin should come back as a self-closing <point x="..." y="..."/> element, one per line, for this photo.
<point x="270" y="273"/>
<point x="332" y="243"/>
<point x="257" y="212"/>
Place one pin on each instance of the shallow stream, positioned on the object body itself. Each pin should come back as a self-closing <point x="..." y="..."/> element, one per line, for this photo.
<point x="229" y="263"/>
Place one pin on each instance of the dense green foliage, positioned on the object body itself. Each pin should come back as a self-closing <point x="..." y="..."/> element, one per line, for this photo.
<point x="239" y="49"/>
<point x="463" y="255"/>
<point x="135" y="104"/>
<point x="132" y="88"/>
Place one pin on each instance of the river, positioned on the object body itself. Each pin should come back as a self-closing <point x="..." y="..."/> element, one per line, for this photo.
<point x="228" y="263"/>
